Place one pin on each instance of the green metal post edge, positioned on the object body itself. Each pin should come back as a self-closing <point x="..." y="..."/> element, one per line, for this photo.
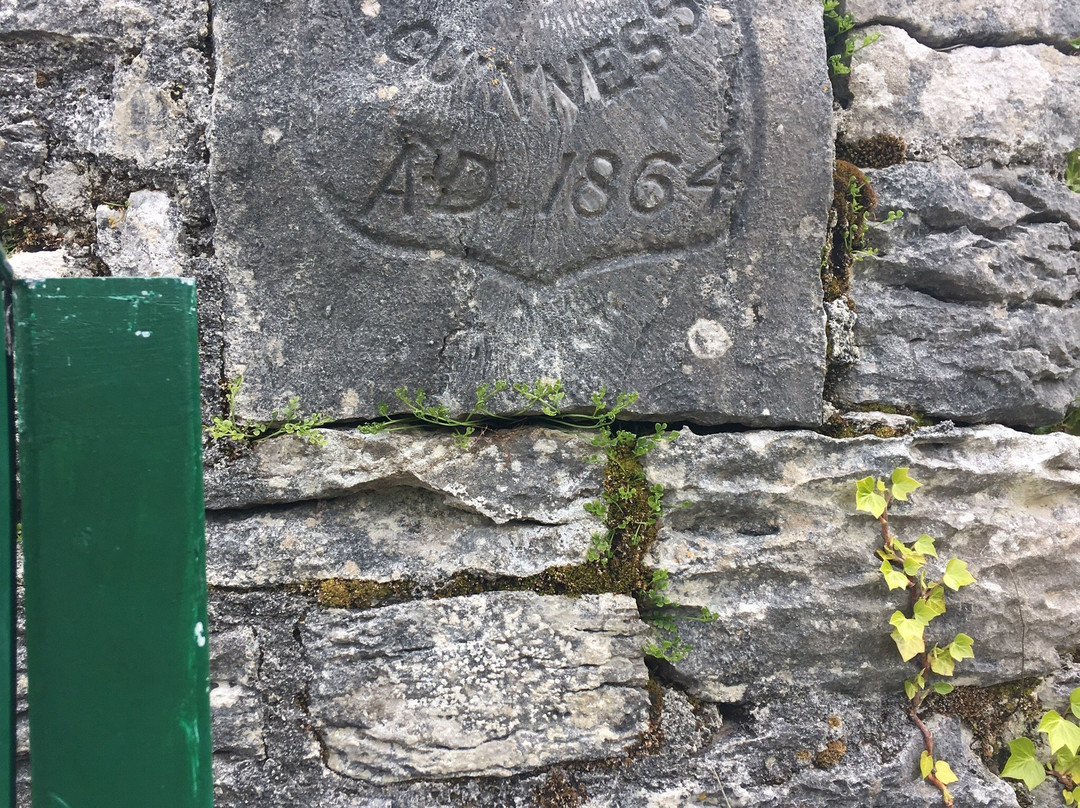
<point x="8" y="517"/>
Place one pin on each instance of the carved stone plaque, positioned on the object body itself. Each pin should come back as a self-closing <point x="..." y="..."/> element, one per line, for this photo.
<point x="627" y="193"/>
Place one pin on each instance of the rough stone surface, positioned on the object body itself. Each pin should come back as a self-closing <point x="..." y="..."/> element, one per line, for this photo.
<point x="544" y="475"/>
<point x="772" y="543"/>
<point x="235" y="703"/>
<point x="492" y="684"/>
<point x="43" y="264"/>
<point x="433" y="194"/>
<point x="140" y="240"/>
<point x="1010" y="105"/>
<point x="975" y="22"/>
<point x="403" y="505"/>
<point x="971" y="310"/>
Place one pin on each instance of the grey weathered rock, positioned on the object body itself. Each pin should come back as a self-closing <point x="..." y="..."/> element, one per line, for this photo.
<point x="435" y="194"/>
<point x="140" y="240"/>
<point x="402" y="505"/>
<point x="771" y="541"/>
<point x="972" y="308"/>
<point x="236" y="703"/>
<point x="975" y="22"/>
<point x="1011" y="105"/>
<point x="543" y="475"/>
<point x="38" y="266"/>
<point x="492" y="684"/>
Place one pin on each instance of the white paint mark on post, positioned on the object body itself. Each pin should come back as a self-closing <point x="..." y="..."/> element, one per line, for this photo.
<point x="200" y="634"/>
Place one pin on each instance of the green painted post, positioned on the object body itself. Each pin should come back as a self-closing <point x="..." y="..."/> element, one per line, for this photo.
<point x="106" y="374"/>
<point x="7" y="566"/>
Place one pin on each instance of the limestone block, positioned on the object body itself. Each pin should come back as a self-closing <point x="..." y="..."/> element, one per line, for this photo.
<point x="433" y="194"/>
<point x="488" y="685"/>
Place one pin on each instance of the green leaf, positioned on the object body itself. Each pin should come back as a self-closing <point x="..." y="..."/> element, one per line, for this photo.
<point x="1071" y="797"/>
<point x="867" y="499"/>
<point x="956" y="574"/>
<point x="910" y="690"/>
<point x="926" y="764"/>
<point x="935" y="599"/>
<point x="960" y="647"/>
<point x="943" y="688"/>
<point x="941" y="663"/>
<point x="1022" y="764"/>
<point x="908" y="636"/>
<point x="925" y="545"/>
<point x="894" y="578"/>
<point x="944" y="773"/>
<point x="1067" y="763"/>
<point x="924" y="612"/>
<point x="913" y="563"/>
<point x="902" y="484"/>
<point x="1074" y="702"/>
<point x="1060" y="732"/>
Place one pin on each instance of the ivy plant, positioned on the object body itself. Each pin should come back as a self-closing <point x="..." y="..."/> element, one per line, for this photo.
<point x="288" y="421"/>
<point x="1063" y="738"/>
<point x="1072" y="170"/>
<point x="905" y="567"/>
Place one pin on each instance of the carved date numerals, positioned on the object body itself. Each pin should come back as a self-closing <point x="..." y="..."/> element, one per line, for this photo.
<point x="597" y="184"/>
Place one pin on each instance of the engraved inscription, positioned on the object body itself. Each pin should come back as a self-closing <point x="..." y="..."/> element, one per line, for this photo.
<point x="527" y="140"/>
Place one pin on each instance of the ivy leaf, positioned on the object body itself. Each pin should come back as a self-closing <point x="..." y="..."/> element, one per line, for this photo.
<point x="924" y="612"/>
<point x="926" y="764"/>
<point x="941" y="662"/>
<point x="944" y="773"/>
<point x="925" y="545"/>
<point x="956" y="574"/>
<point x="1074" y="702"/>
<point x="910" y="690"/>
<point x="894" y="578"/>
<point x="1068" y="763"/>
<point x="943" y="688"/>
<point x="913" y="562"/>
<point x="1022" y="764"/>
<point x="1060" y="732"/>
<point x="908" y="636"/>
<point x="867" y="499"/>
<point x="935" y="599"/>
<point x="902" y="484"/>
<point x="960" y="647"/>
<point x="1071" y="797"/>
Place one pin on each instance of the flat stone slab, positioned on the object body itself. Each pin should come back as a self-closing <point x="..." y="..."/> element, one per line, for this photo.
<point x="434" y="194"/>
<point x="1011" y="105"/>
<point x="771" y="541"/>
<point x="487" y="685"/>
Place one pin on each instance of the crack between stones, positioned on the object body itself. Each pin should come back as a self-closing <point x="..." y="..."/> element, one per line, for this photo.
<point x="945" y="45"/>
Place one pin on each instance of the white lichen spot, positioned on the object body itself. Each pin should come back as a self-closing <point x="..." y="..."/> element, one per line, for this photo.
<point x="688" y="370"/>
<point x="436" y="254"/>
<point x="545" y="446"/>
<point x="271" y="135"/>
<point x="719" y="15"/>
<point x="200" y="634"/>
<point x="370" y="8"/>
<point x="350" y="570"/>
<point x="382" y="59"/>
<point x="387" y="93"/>
<point x="350" y="400"/>
<point x="708" y="339"/>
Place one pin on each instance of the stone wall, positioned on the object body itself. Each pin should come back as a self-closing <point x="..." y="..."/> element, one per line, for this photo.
<point x="631" y="193"/>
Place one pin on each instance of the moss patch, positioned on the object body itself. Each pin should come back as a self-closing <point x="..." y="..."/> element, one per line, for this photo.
<point x="987" y="709"/>
<point x="879" y="151"/>
<point x="559" y="791"/>
<point x="830" y="755"/>
<point x="853" y="201"/>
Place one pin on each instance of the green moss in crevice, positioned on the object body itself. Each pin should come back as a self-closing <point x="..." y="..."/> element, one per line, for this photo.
<point x="847" y="228"/>
<point x="879" y="151"/>
<point x="987" y="709"/>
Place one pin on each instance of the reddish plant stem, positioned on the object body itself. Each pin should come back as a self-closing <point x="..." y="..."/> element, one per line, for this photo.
<point x="913" y="709"/>
<point x="1062" y="778"/>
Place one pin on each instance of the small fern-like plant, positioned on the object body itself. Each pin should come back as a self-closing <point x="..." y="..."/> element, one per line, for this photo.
<point x="904" y="566"/>
<point x="288" y="421"/>
<point x="1063" y="738"/>
<point x="540" y="401"/>
<point x="837" y="26"/>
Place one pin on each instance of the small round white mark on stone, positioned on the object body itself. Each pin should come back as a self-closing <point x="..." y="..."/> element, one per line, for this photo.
<point x="200" y="635"/>
<point x="436" y="254"/>
<point x="708" y="339"/>
<point x="387" y="93"/>
<point x="382" y="59"/>
<point x="271" y="135"/>
<point x="371" y="8"/>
